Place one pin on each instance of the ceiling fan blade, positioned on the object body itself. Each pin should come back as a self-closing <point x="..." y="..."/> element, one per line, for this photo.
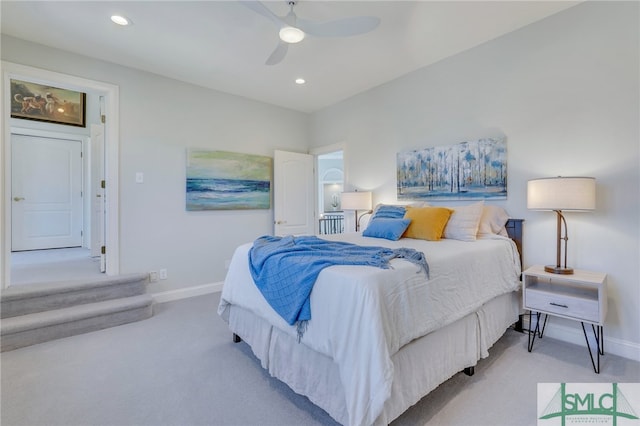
<point x="340" y="28"/>
<point x="263" y="10"/>
<point x="278" y="55"/>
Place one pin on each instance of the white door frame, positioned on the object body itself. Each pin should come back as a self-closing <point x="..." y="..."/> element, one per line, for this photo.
<point x="96" y="204"/>
<point x="111" y="95"/>
<point x="327" y="149"/>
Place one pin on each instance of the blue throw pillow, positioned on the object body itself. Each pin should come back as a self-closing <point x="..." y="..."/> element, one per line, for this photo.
<point x="390" y="229"/>
<point x="389" y="212"/>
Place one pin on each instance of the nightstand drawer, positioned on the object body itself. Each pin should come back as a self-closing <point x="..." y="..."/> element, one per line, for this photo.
<point x="581" y="308"/>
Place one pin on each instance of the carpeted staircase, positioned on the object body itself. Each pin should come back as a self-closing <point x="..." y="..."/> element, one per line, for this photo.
<point x="38" y="313"/>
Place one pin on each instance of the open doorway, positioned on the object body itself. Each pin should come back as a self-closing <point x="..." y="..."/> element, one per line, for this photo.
<point x="330" y="168"/>
<point x="48" y="221"/>
<point x="51" y="216"/>
<point x="68" y="260"/>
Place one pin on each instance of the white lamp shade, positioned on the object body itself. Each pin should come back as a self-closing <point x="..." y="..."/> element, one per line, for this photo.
<point x="356" y="200"/>
<point x="562" y="193"/>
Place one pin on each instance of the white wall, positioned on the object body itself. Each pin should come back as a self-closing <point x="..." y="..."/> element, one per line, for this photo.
<point x="565" y="93"/>
<point x="159" y="119"/>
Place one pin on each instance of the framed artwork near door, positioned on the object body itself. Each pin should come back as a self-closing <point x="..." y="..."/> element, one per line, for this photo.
<point x="220" y="180"/>
<point x="40" y="102"/>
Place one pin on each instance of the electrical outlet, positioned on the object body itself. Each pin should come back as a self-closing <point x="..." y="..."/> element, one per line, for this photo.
<point x="163" y="274"/>
<point x="153" y="276"/>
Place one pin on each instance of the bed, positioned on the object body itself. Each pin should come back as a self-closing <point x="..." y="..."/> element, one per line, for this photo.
<point x="381" y="339"/>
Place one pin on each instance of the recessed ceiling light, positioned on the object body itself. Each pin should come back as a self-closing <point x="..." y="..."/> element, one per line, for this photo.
<point x="120" y="20"/>
<point x="300" y="81"/>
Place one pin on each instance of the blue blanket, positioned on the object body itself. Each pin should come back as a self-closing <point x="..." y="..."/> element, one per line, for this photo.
<point x="285" y="269"/>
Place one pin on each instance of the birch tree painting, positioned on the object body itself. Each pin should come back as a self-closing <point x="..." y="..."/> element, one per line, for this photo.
<point x="468" y="170"/>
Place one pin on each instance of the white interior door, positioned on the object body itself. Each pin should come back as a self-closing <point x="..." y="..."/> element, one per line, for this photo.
<point x="46" y="192"/>
<point x="98" y="193"/>
<point x="293" y="193"/>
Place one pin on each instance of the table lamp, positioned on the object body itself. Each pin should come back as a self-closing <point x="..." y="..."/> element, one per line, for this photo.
<point x="561" y="194"/>
<point x="356" y="201"/>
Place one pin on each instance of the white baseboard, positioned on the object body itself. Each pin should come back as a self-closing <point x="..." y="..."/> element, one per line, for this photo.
<point x="183" y="293"/>
<point x="575" y="335"/>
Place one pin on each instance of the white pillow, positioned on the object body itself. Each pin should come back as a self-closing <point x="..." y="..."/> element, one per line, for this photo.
<point x="464" y="221"/>
<point x="493" y="221"/>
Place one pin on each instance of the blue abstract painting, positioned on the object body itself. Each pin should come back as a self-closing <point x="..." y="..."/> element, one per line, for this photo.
<point x="220" y="180"/>
<point x="468" y="170"/>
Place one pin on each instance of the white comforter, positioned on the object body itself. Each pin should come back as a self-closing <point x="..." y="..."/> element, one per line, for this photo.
<point x="362" y="315"/>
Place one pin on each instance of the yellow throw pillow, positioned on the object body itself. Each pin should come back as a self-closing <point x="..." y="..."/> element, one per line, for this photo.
<point x="427" y="223"/>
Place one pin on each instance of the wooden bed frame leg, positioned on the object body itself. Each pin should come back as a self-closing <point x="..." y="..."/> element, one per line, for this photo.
<point x="518" y="325"/>
<point x="236" y="338"/>
<point x="470" y="371"/>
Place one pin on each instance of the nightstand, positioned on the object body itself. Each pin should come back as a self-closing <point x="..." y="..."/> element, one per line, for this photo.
<point x="581" y="296"/>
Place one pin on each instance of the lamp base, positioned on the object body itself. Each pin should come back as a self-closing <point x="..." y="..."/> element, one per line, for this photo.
<point x="558" y="270"/>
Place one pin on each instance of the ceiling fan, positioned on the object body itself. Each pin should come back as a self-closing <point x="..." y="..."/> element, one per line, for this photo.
<point x="294" y="29"/>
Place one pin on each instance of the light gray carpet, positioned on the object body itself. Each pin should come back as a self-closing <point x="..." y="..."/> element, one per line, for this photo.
<point x="180" y="367"/>
<point x="53" y="265"/>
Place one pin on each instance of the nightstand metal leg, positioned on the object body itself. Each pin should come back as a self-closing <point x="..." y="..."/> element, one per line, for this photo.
<point x="530" y="343"/>
<point x="598" y="333"/>
<point x="544" y="324"/>
<point x="599" y="337"/>
<point x="533" y="332"/>
<point x="537" y="331"/>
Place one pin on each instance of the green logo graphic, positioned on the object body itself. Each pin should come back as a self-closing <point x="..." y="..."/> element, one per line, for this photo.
<point x="565" y="404"/>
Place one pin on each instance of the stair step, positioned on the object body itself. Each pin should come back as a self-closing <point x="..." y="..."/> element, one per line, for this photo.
<point x="26" y="330"/>
<point x="33" y="298"/>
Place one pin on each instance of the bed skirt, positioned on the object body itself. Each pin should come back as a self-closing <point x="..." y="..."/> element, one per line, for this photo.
<point x="419" y="367"/>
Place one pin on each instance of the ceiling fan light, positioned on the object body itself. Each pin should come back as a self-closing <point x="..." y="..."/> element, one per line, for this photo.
<point x="291" y="35"/>
<point x="120" y="20"/>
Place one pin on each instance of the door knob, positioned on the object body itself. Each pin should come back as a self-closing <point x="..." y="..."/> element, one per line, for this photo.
<point x="18" y="198"/>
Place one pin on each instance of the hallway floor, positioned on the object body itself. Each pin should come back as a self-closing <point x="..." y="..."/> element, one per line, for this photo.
<point x="37" y="266"/>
